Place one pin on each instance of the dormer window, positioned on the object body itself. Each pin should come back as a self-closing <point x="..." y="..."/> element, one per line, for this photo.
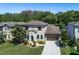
<point x="39" y="28"/>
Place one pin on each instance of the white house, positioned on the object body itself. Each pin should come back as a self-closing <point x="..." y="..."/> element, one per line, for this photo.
<point x="73" y="30"/>
<point x="37" y="30"/>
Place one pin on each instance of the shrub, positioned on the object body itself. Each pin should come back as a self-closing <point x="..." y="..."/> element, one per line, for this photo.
<point x="16" y="41"/>
<point x="30" y="44"/>
<point x="34" y="45"/>
<point x="62" y="44"/>
<point x="25" y="42"/>
<point x="72" y="43"/>
<point x="2" y="40"/>
<point x="78" y="48"/>
<point x="34" y="42"/>
<point x="41" y="42"/>
<point x="73" y="54"/>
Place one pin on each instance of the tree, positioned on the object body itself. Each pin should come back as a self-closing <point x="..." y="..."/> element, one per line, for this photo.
<point x="64" y="36"/>
<point x="19" y="34"/>
<point x="2" y="39"/>
<point x="64" y="39"/>
<point x="50" y="19"/>
<point x="72" y="43"/>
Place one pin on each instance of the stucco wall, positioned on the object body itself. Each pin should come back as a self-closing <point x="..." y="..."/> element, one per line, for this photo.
<point x="31" y="33"/>
<point x="42" y="32"/>
<point x="7" y="32"/>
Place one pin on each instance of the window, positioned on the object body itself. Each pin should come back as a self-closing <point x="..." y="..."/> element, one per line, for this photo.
<point x="8" y="36"/>
<point x="39" y="28"/>
<point x="37" y="36"/>
<point x="41" y="36"/>
<point x="26" y="28"/>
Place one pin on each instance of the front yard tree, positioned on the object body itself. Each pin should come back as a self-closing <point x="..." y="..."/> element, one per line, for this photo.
<point x="72" y="43"/>
<point x="2" y="39"/>
<point x="64" y="38"/>
<point x="19" y="34"/>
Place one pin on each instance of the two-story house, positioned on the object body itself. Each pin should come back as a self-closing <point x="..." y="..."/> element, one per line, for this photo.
<point x="73" y="30"/>
<point x="37" y="30"/>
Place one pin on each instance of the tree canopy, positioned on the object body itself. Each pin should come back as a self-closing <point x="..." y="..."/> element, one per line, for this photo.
<point x="19" y="34"/>
<point x="60" y="18"/>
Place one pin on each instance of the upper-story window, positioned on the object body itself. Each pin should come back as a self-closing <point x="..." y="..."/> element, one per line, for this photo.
<point x="39" y="28"/>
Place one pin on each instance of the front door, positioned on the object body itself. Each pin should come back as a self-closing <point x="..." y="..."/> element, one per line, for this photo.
<point x="32" y="38"/>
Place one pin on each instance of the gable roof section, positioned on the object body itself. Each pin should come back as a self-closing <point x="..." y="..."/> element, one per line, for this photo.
<point x="37" y="23"/>
<point x="52" y="29"/>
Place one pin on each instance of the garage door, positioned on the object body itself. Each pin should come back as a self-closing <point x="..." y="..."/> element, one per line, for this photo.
<point x="52" y="37"/>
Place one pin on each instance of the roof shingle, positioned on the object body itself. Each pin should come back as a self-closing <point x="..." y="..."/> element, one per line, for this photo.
<point x="37" y="23"/>
<point x="52" y="29"/>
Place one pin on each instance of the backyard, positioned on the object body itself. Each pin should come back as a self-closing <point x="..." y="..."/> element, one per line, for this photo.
<point x="11" y="49"/>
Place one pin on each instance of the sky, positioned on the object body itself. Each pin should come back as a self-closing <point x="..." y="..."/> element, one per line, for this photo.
<point x="52" y="7"/>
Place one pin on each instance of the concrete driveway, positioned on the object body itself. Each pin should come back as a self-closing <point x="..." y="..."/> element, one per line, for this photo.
<point x="51" y="48"/>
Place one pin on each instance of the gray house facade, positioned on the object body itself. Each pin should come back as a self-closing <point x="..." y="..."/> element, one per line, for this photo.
<point x="73" y="30"/>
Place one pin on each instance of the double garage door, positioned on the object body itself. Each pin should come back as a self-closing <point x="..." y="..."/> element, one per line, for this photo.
<point x="52" y="37"/>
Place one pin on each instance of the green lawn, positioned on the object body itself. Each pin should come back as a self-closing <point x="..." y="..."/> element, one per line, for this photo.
<point x="67" y="50"/>
<point x="10" y="49"/>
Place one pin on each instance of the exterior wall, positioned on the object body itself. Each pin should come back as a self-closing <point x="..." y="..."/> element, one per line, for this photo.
<point x="73" y="32"/>
<point x="9" y="36"/>
<point x="7" y="32"/>
<point x="41" y="32"/>
<point x="6" y="28"/>
<point x="32" y="34"/>
<point x="70" y="31"/>
<point x="32" y="31"/>
<point x="77" y="32"/>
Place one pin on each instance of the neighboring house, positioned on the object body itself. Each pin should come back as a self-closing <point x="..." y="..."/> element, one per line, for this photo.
<point x="73" y="30"/>
<point x="37" y="30"/>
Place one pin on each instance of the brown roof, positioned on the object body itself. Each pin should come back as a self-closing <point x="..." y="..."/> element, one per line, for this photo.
<point x="52" y="29"/>
<point x="37" y="22"/>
